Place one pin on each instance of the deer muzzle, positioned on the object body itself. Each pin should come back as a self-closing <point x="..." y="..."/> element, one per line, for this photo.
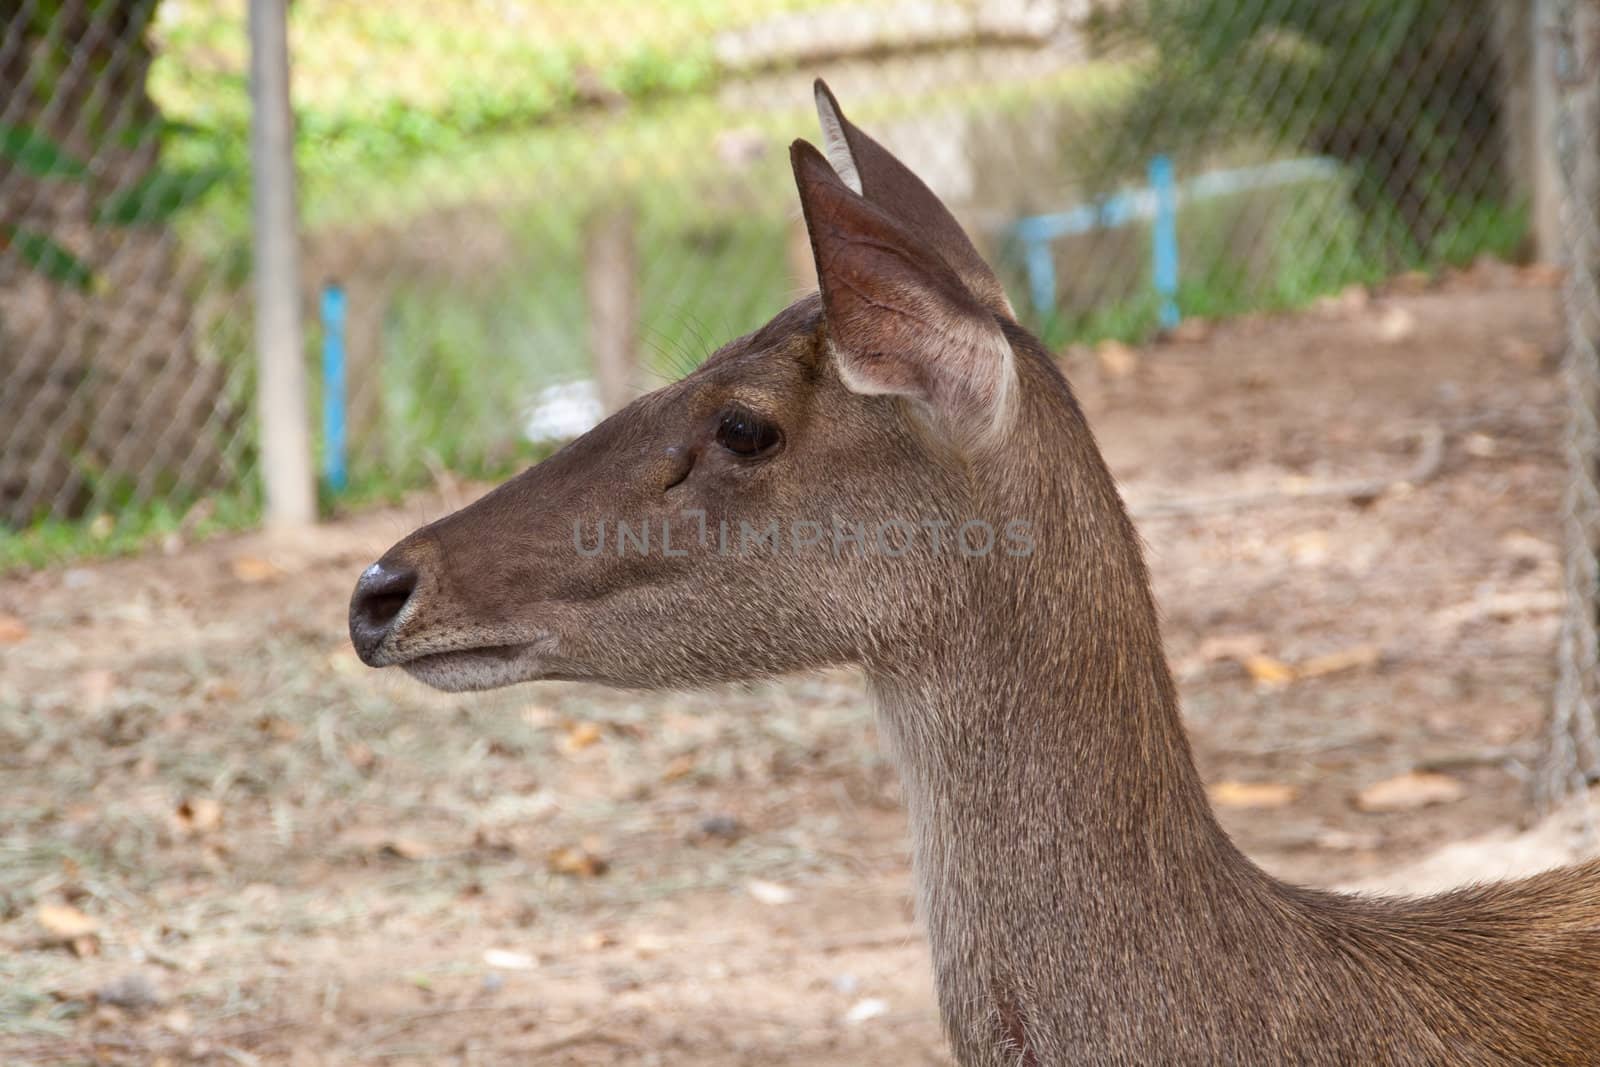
<point x="381" y="597"/>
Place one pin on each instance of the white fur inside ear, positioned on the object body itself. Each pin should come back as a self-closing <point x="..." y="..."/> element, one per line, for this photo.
<point x="834" y="145"/>
<point x="980" y="368"/>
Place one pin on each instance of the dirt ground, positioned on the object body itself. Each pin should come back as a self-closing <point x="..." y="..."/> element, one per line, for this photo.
<point x="223" y="840"/>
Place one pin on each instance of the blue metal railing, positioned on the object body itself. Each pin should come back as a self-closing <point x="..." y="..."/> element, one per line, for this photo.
<point x="1158" y="203"/>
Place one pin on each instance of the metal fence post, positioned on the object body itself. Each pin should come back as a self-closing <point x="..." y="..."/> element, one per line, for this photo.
<point x="1164" y="240"/>
<point x="1544" y="175"/>
<point x="611" y="286"/>
<point x="334" y="472"/>
<point x="281" y="382"/>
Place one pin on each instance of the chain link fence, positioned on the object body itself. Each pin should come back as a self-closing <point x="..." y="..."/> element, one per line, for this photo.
<point x="120" y="390"/>
<point x="514" y="215"/>
<point x="517" y="213"/>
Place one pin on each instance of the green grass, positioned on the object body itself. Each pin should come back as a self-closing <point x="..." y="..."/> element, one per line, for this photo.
<point x="126" y="531"/>
<point x="380" y="82"/>
<point x="474" y="65"/>
<point x="1311" y="243"/>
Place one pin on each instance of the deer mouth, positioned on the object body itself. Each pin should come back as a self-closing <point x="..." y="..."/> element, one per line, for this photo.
<point x="469" y="669"/>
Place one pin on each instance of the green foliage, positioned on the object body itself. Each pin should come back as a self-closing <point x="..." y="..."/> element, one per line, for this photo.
<point x="154" y="200"/>
<point x="653" y="71"/>
<point x="36" y="154"/>
<point x="160" y="195"/>
<point x="130" y="530"/>
<point x="376" y="84"/>
<point x="46" y="256"/>
<point x="1402" y="90"/>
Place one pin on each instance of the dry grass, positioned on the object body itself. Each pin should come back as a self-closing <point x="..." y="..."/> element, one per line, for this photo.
<point x="289" y="859"/>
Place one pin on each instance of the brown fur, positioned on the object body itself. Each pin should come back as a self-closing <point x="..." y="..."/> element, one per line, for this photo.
<point x="1082" y="903"/>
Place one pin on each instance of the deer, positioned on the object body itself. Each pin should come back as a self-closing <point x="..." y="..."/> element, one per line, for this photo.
<point x="892" y="475"/>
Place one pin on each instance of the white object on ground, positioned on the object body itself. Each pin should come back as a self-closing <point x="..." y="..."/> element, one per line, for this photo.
<point x="867" y="1008"/>
<point x="563" y="411"/>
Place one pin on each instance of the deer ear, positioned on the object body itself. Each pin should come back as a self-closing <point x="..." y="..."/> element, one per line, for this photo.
<point x="872" y="170"/>
<point x="899" y="319"/>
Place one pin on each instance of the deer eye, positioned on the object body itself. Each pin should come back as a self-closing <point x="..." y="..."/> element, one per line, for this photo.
<point x="745" y="434"/>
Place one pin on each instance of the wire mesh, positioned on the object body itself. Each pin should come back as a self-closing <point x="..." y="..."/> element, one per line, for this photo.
<point x="466" y="168"/>
<point x="116" y="394"/>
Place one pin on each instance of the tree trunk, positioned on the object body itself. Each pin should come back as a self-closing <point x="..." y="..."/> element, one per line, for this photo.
<point x="106" y="401"/>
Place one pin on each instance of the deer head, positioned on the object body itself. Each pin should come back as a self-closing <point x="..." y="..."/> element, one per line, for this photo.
<point x="823" y="491"/>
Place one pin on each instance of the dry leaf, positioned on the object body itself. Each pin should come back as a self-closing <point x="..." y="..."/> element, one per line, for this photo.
<point x="1230" y="646"/>
<point x="769" y="892"/>
<point x="1542" y="275"/>
<point x="679" y="767"/>
<point x="278" y="729"/>
<point x="1346" y="841"/>
<point x="1117" y="360"/>
<point x="1523" y="351"/>
<point x="253" y="570"/>
<point x="404" y="848"/>
<point x="343" y="660"/>
<point x="66" y="923"/>
<point x="1487" y="270"/>
<point x="491" y="840"/>
<point x="12" y="629"/>
<point x="538" y="716"/>
<point x="1268" y="671"/>
<point x="580" y="737"/>
<point x="595" y="940"/>
<point x="96" y="686"/>
<point x="649" y="946"/>
<point x="1213" y="650"/>
<point x="576" y="862"/>
<point x="1395" y="325"/>
<point x="198" y="815"/>
<point x="1252" y="794"/>
<point x="1418" y="789"/>
<point x="1310" y="548"/>
<point x="505" y="960"/>
<point x="1350" y="299"/>
<point x="1412" y="281"/>
<point x="1347" y="659"/>
<point x="1521" y="545"/>
<point x="1191" y="330"/>
<point x="868" y="1008"/>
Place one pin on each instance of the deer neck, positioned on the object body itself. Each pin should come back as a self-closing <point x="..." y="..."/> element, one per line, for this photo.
<point x="1057" y="816"/>
<point x="1049" y="778"/>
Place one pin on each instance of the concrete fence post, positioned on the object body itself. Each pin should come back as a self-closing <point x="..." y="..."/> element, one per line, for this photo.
<point x="281" y="410"/>
<point x="611" y="289"/>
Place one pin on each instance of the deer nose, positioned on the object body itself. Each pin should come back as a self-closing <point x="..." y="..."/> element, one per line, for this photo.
<point x="381" y="594"/>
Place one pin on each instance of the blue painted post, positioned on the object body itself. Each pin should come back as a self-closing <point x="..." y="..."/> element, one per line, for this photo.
<point x="333" y="400"/>
<point x="1041" y="264"/>
<point x="1164" y="240"/>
